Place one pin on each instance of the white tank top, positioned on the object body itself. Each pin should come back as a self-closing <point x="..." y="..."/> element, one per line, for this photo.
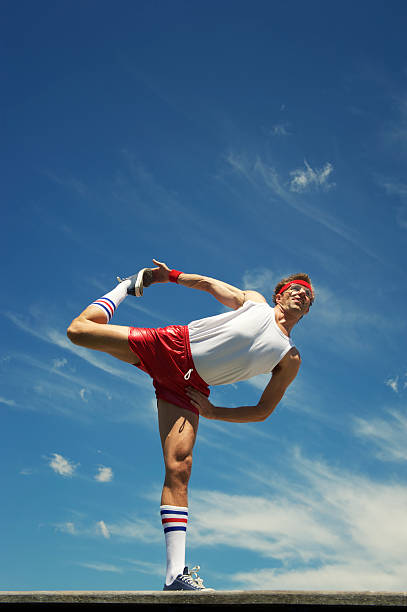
<point x="237" y="345"/>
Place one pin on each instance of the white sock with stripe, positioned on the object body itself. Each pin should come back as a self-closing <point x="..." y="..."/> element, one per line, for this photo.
<point x="110" y="301"/>
<point x="174" y="520"/>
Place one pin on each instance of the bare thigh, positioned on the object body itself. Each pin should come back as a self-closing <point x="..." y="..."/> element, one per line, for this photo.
<point x="178" y="428"/>
<point x="89" y="331"/>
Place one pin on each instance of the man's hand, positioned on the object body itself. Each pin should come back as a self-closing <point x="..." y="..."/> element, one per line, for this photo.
<point x="161" y="273"/>
<point x="200" y="401"/>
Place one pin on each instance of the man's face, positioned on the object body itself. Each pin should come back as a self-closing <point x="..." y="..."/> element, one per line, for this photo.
<point x="296" y="298"/>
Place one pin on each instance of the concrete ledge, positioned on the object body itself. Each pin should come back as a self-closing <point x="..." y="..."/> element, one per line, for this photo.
<point x="281" y="599"/>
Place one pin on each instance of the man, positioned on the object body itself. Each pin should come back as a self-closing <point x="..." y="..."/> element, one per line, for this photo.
<point x="253" y="338"/>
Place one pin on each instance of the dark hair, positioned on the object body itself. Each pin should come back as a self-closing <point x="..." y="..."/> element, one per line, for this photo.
<point x="287" y="279"/>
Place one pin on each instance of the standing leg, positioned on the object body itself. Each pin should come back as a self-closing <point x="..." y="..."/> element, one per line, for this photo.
<point x="178" y="429"/>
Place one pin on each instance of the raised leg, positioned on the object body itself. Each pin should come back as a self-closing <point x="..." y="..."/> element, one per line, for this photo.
<point x="90" y="328"/>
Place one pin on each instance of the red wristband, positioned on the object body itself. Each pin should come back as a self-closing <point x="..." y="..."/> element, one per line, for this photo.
<point x="174" y="276"/>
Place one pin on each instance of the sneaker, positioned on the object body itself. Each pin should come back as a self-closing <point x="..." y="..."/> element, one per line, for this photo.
<point x="188" y="581"/>
<point x="142" y="279"/>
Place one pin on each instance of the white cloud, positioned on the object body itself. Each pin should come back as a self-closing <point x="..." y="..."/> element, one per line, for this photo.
<point x="62" y="466"/>
<point x="102" y="528"/>
<point x="303" y="180"/>
<point x="323" y="527"/>
<point x="326" y="528"/>
<point x="387" y="435"/>
<point x="105" y="474"/>
<point x="352" y="576"/>
<point x="393" y="383"/>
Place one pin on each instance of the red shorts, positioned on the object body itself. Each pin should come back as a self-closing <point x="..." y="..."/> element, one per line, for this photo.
<point x="165" y="355"/>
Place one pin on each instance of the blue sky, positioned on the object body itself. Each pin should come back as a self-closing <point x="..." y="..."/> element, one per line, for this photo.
<point x="238" y="140"/>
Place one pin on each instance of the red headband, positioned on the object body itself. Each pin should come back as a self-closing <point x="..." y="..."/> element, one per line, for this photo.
<point x="295" y="282"/>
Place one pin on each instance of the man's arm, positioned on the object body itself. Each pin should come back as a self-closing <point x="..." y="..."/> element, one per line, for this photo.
<point x="282" y="376"/>
<point x="226" y="294"/>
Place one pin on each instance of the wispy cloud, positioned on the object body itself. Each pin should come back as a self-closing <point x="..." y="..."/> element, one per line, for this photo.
<point x="398" y="189"/>
<point x="281" y="129"/>
<point x="58" y="390"/>
<point x="62" y="466"/>
<point x="146" y="567"/>
<point x="304" y="180"/>
<point x="101" y="567"/>
<point x="266" y="182"/>
<point x="262" y="280"/>
<point x="59" y="363"/>
<point x="55" y="337"/>
<point x="388" y="435"/>
<point x="26" y="472"/>
<point x="331" y="311"/>
<point x="67" y="527"/>
<point x="401" y="217"/>
<point x="136" y="529"/>
<point x="71" y="183"/>
<point x="7" y="402"/>
<point x="394" y="187"/>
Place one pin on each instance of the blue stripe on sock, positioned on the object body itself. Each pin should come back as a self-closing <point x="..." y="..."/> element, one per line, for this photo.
<point x="166" y="529"/>
<point x="174" y="512"/>
<point x="105" y="308"/>
<point x="109" y="300"/>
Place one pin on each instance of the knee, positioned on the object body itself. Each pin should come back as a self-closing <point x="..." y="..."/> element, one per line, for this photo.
<point x="179" y="469"/>
<point x="76" y="331"/>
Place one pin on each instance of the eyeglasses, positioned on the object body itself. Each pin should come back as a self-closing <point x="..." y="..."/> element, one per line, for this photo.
<point x="297" y="288"/>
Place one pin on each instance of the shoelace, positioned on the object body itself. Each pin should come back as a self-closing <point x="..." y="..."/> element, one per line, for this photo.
<point x="194" y="576"/>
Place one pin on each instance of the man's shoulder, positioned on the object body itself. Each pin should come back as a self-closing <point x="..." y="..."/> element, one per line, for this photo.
<point x="254" y="296"/>
<point x="290" y="361"/>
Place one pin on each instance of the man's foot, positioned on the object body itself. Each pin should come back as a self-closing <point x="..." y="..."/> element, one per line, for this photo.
<point x="188" y="581"/>
<point x="142" y="279"/>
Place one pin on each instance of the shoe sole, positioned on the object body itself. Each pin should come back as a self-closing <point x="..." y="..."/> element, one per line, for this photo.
<point x="144" y="279"/>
